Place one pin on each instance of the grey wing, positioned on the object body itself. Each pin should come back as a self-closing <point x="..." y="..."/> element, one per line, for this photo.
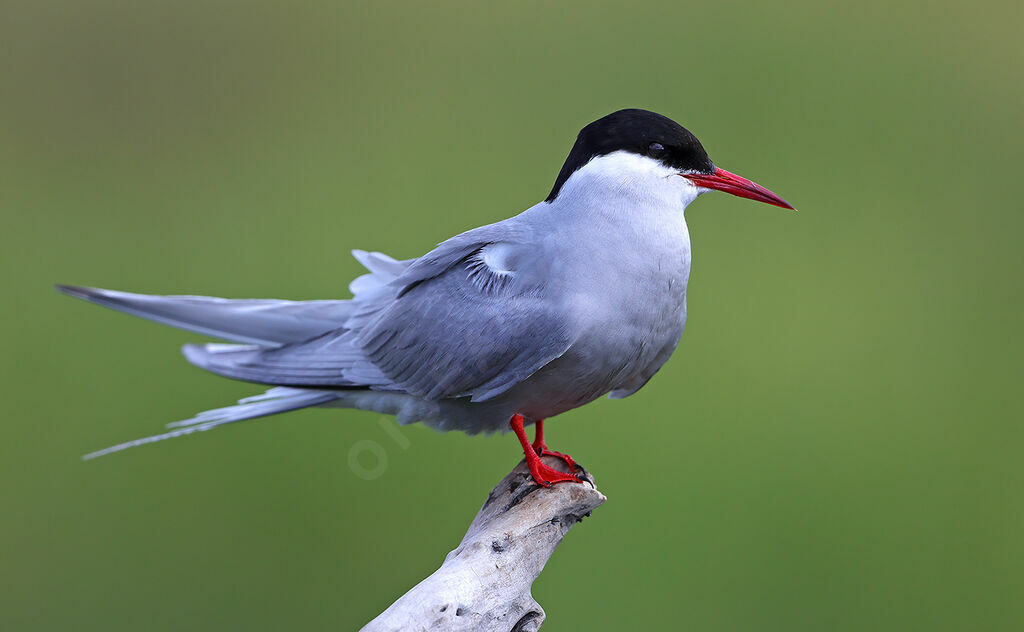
<point x="472" y="318"/>
<point x="467" y="332"/>
<point x="264" y="322"/>
<point x="449" y="325"/>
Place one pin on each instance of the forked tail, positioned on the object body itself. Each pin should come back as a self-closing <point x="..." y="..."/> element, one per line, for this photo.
<point x="261" y="325"/>
<point x="276" y="400"/>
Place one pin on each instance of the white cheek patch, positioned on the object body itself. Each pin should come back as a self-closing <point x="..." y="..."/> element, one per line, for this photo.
<point x="640" y="179"/>
<point x="690" y="191"/>
<point x="623" y="164"/>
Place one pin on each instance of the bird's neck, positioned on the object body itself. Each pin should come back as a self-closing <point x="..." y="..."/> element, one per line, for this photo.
<point x="628" y="183"/>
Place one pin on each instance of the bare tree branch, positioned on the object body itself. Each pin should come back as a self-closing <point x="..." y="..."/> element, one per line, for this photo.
<point x="484" y="584"/>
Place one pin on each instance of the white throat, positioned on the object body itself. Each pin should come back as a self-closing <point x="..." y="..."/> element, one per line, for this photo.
<point x="628" y="178"/>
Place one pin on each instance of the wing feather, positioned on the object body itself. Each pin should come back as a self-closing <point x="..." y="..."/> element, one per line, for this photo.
<point x="460" y="328"/>
<point x="448" y="325"/>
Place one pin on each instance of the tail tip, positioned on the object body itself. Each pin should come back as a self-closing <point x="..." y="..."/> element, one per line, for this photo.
<point x="71" y="290"/>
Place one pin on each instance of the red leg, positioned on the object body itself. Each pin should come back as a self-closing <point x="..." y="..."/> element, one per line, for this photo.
<point x="544" y="475"/>
<point x="541" y="448"/>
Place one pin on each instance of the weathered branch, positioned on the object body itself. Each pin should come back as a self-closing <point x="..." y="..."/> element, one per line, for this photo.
<point x="484" y="584"/>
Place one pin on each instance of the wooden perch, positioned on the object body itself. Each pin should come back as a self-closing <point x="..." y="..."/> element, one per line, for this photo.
<point x="484" y="584"/>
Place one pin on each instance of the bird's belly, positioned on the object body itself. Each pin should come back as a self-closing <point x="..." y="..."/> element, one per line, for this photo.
<point x="628" y="336"/>
<point x="589" y="371"/>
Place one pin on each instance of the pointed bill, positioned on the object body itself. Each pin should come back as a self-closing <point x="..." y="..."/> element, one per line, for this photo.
<point x="722" y="180"/>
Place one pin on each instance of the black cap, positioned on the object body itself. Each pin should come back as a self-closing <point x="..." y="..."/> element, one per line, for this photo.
<point x="639" y="132"/>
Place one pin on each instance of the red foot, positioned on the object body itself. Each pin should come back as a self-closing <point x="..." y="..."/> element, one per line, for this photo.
<point x="546" y="476"/>
<point x="543" y="475"/>
<point x="541" y="448"/>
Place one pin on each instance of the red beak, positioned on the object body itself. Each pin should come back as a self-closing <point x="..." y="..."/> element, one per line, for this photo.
<point x="722" y="180"/>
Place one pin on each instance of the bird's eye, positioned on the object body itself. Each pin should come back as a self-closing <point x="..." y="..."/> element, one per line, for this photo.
<point x="655" y="149"/>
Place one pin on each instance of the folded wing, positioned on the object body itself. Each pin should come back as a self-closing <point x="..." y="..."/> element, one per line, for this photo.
<point x="450" y="325"/>
<point x="263" y="322"/>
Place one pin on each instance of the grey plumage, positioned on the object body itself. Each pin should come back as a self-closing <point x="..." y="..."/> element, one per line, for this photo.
<point x="256" y="321"/>
<point x="277" y="400"/>
<point x="577" y="297"/>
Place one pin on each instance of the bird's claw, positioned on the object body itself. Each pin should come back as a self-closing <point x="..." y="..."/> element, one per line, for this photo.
<point x="571" y="462"/>
<point x="546" y="476"/>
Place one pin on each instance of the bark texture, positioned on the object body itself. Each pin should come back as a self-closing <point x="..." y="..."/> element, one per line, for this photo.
<point x="484" y="584"/>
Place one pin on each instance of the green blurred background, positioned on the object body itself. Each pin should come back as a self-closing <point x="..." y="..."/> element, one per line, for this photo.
<point x="837" y="445"/>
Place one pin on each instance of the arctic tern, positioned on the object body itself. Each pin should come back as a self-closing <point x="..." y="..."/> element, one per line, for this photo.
<point x="502" y="326"/>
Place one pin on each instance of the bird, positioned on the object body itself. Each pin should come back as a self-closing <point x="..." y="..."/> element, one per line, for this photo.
<point x="498" y="328"/>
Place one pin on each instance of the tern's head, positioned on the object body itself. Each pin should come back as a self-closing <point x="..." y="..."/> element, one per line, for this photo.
<point x="641" y="149"/>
